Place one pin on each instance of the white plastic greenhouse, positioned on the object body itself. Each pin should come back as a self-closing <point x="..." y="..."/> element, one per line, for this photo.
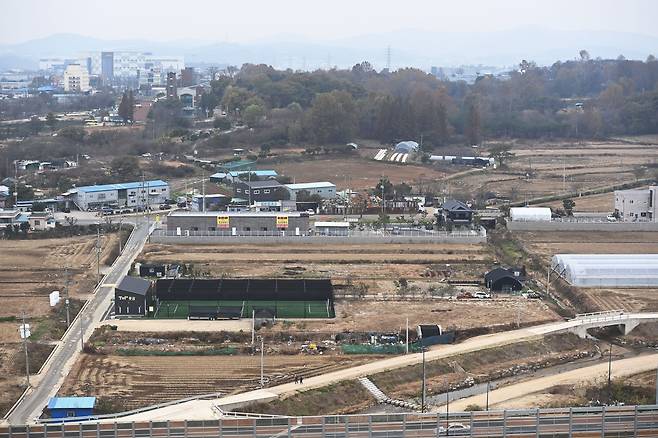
<point x="607" y="270"/>
<point x="530" y="214"/>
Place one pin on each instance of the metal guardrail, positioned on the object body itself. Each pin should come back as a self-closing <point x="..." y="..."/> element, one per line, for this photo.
<point x="613" y="421"/>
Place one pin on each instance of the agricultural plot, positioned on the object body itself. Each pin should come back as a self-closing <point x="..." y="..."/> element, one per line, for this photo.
<point x="124" y="383"/>
<point x="546" y="244"/>
<point x="550" y="169"/>
<point x="31" y="269"/>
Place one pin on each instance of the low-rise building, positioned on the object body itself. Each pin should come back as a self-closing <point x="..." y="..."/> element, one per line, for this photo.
<point x="123" y="195"/>
<point x="332" y="228"/>
<point x="41" y="221"/>
<point x="238" y="223"/>
<point x="11" y="217"/>
<point x="455" y="213"/>
<point x="213" y="202"/>
<point x="637" y="205"/>
<point x="268" y="190"/>
<point x="131" y="296"/>
<point x="505" y="279"/>
<point x="325" y="189"/>
<point x="69" y="407"/>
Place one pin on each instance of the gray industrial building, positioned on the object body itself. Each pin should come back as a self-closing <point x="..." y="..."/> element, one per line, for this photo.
<point x="238" y="223"/>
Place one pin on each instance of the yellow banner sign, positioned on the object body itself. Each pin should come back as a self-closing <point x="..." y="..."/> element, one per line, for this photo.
<point x="222" y="221"/>
<point x="282" y="221"/>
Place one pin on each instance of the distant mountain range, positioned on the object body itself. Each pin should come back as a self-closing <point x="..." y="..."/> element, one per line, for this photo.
<point x="420" y="49"/>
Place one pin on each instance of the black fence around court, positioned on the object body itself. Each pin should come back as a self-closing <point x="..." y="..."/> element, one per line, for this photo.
<point x="224" y="289"/>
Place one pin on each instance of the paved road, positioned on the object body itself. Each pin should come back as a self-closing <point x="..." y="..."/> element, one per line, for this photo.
<point x="507" y="394"/>
<point x="201" y="408"/>
<point x="60" y="362"/>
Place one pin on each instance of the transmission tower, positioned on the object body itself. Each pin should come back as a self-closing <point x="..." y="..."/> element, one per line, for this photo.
<point x="388" y="58"/>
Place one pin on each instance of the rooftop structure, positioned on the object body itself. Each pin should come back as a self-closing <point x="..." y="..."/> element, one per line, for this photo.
<point x="530" y="214"/>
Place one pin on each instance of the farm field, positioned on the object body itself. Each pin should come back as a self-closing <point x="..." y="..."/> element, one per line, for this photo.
<point x="339" y="262"/>
<point x="31" y="269"/>
<point x="124" y="383"/>
<point x="363" y="173"/>
<point x="560" y="168"/>
<point x="546" y="244"/>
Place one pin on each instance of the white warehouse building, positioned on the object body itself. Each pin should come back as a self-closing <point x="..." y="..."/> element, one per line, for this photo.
<point x="530" y="214"/>
<point x="128" y="195"/>
<point x="607" y="270"/>
<point x="325" y="190"/>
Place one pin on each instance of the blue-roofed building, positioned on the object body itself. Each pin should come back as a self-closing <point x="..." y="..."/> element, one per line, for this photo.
<point x="68" y="407"/>
<point x="123" y="195"/>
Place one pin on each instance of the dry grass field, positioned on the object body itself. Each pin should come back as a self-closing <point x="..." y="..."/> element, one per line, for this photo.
<point x="31" y="269"/>
<point x="357" y="173"/>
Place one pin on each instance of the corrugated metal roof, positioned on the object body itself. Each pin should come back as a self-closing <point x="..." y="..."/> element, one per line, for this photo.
<point x="72" y="403"/>
<point x="122" y="186"/>
<point x="234" y="213"/>
<point x="134" y="285"/>
<point x="332" y="224"/>
<point x="311" y="185"/>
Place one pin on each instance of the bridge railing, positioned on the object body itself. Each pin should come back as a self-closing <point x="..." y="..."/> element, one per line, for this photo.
<point x="574" y="422"/>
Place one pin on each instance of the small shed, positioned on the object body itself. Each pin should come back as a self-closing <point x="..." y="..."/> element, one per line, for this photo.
<point x="131" y="296"/>
<point x="505" y="279"/>
<point x="332" y="228"/>
<point x="152" y="270"/>
<point x="69" y="407"/>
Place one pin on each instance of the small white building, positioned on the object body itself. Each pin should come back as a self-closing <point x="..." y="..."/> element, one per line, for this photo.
<point x="332" y="228"/>
<point x="530" y="214"/>
<point x="325" y="190"/>
<point x="637" y="205"/>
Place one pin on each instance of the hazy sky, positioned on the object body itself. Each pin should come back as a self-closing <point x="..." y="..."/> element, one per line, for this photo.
<point x="249" y="20"/>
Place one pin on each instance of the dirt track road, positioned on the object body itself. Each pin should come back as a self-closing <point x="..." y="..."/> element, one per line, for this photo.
<point x="505" y="397"/>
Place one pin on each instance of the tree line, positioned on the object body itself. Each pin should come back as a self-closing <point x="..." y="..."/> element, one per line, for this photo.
<point x="583" y="98"/>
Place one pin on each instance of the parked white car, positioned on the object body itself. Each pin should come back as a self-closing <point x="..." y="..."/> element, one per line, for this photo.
<point x="481" y="296"/>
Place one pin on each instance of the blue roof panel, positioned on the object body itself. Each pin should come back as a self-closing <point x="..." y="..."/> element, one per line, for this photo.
<point x="124" y="186"/>
<point x="72" y="403"/>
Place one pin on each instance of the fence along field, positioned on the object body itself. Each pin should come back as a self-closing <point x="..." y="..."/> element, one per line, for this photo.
<point x="281" y="298"/>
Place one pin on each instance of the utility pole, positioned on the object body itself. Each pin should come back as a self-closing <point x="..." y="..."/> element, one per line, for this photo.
<point x="262" y="360"/>
<point x="488" y="388"/>
<point x="253" y="327"/>
<point x="406" y="349"/>
<point x="98" y="254"/>
<point x="25" y="332"/>
<point x="383" y="199"/>
<point x="203" y="191"/>
<point x="66" y="292"/>
<point x="548" y="280"/>
<point x="422" y="405"/>
<point x="447" y="411"/>
<point x="610" y="374"/>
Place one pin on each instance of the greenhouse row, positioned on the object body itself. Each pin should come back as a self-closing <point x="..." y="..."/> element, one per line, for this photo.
<point x="607" y="270"/>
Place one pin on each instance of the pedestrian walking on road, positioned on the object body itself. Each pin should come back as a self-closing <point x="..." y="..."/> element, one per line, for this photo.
<point x="296" y="379"/>
<point x="301" y="380"/>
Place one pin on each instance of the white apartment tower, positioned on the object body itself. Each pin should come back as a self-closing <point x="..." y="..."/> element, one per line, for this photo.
<point x="76" y="79"/>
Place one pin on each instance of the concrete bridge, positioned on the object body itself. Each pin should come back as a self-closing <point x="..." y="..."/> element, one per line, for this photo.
<point x="626" y="321"/>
